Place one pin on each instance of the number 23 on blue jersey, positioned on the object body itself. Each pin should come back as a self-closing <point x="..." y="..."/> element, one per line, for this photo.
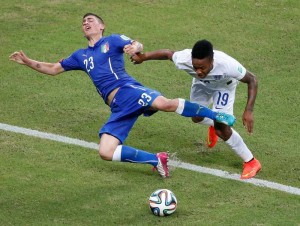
<point x="89" y="64"/>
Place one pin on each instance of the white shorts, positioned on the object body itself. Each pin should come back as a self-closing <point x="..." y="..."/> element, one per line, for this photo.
<point x="222" y="99"/>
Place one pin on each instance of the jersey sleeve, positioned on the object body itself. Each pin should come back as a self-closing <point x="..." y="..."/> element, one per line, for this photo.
<point x="71" y="62"/>
<point x="120" y="41"/>
<point x="182" y="59"/>
<point x="236" y="70"/>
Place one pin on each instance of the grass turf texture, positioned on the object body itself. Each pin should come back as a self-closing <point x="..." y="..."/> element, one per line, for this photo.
<point x="49" y="183"/>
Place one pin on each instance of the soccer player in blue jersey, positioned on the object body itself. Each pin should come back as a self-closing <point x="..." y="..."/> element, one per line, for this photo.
<point x="103" y="62"/>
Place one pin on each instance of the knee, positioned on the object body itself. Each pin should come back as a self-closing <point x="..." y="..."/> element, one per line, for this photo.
<point x="197" y="119"/>
<point x="105" y="154"/>
<point x="167" y="106"/>
<point x="163" y="104"/>
<point x="107" y="146"/>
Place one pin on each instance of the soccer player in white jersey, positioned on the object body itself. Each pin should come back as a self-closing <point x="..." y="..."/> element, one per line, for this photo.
<point x="103" y="61"/>
<point x="216" y="76"/>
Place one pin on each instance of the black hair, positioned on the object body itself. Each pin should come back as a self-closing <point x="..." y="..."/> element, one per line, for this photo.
<point x="202" y="49"/>
<point x="92" y="14"/>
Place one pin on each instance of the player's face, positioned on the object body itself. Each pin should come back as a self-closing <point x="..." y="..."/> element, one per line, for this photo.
<point x="202" y="66"/>
<point x="91" y="26"/>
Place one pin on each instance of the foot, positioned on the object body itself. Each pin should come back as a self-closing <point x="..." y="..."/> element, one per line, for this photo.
<point x="162" y="165"/>
<point x="225" y="118"/>
<point x="251" y="169"/>
<point x="212" y="137"/>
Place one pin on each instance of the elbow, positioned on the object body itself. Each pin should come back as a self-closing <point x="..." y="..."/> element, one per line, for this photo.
<point x="255" y="81"/>
<point x="55" y="71"/>
<point x="251" y="79"/>
<point x="169" y="54"/>
<point x="52" y="73"/>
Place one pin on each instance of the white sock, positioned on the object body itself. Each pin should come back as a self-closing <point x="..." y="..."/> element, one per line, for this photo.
<point x="237" y="143"/>
<point x="207" y="121"/>
<point x="180" y="106"/>
<point x="117" y="154"/>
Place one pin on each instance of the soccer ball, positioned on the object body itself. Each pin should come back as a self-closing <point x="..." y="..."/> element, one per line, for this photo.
<point x="162" y="202"/>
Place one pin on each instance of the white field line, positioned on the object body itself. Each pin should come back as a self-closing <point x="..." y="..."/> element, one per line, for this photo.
<point x="178" y="164"/>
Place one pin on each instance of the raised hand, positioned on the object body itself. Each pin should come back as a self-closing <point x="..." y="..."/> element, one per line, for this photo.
<point x="19" y="57"/>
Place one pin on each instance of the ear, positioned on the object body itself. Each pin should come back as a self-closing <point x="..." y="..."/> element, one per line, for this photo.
<point x="102" y="27"/>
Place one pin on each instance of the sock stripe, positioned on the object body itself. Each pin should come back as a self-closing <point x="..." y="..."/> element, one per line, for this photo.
<point x="180" y="108"/>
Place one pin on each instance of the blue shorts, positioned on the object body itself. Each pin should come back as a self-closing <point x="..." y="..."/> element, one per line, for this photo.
<point x="128" y="104"/>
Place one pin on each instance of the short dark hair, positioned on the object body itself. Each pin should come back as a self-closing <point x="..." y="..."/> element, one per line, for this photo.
<point x="202" y="49"/>
<point x="93" y="14"/>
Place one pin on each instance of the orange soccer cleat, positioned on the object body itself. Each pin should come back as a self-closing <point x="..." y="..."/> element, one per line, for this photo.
<point x="251" y="169"/>
<point x="212" y="137"/>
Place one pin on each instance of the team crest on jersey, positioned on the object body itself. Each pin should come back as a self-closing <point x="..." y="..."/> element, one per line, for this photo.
<point x="124" y="37"/>
<point x="105" y="48"/>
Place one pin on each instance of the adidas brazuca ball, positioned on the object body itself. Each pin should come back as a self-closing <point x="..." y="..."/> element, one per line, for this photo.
<point x="162" y="202"/>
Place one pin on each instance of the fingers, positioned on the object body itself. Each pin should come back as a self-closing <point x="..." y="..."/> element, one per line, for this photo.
<point x="133" y="60"/>
<point x="127" y="49"/>
<point x="130" y="49"/>
<point x="13" y="55"/>
<point x="22" y="54"/>
<point x="18" y="57"/>
<point x="249" y="127"/>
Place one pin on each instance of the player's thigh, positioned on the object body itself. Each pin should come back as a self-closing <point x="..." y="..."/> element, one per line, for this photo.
<point x="201" y="95"/>
<point x="162" y="103"/>
<point x="118" y="126"/>
<point x="223" y="100"/>
<point x="134" y="99"/>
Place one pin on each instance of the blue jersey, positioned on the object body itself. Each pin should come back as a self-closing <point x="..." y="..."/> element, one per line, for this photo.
<point x="104" y="63"/>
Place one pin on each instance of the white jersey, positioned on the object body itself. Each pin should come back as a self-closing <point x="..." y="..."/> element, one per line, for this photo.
<point x="225" y="73"/>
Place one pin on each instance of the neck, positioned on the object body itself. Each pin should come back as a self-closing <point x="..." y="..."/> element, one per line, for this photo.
<point x="93" y="39"/>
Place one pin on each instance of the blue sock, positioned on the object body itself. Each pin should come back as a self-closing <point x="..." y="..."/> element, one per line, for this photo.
<point x="189" y="109"/>
<point x="129" y="154"/>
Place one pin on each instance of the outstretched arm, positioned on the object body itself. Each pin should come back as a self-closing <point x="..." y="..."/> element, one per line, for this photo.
<point x="42" y="67"/>
<point x="248" y="119"/>
<point x="161" y="54"/>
